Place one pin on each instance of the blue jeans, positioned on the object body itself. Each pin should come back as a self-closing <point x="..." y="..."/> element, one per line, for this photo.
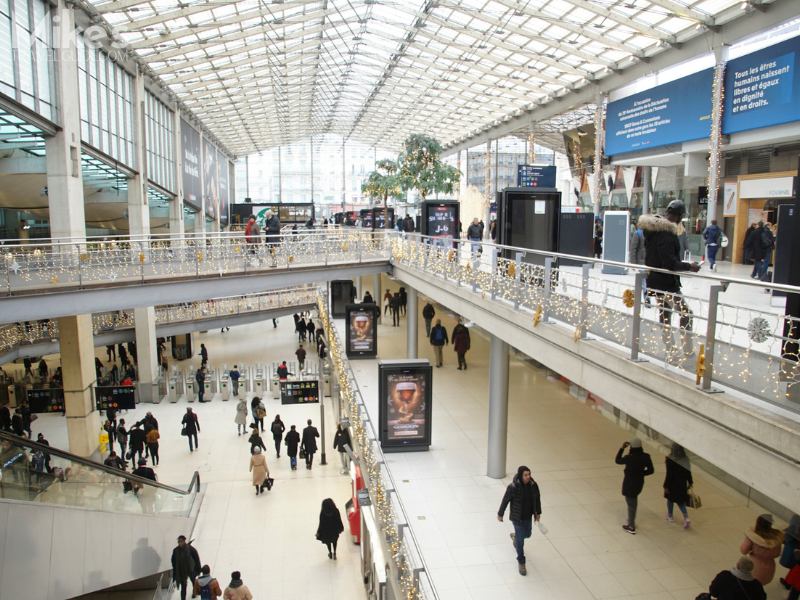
<point x="681" y="507"/>
<point x="760" y="268"/>
<point x="711" y="252"/>
<point x="522" y="531"/>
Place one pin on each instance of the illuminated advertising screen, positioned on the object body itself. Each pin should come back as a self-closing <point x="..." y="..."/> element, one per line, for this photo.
<point x="118" y="397"/>
<point x="362" y="333"/>
<point x="440" y="219"/>
<point x="405" y="404"/>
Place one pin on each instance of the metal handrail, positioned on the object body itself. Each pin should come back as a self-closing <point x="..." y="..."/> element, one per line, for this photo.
<point x="194" y="484"/>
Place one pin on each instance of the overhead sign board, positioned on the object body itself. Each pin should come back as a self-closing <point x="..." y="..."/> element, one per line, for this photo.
<point x="536" y="176"/>
<point x="675" y="112"/>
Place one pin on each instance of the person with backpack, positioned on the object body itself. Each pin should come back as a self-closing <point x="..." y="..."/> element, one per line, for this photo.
<point x="277" y="428"/>
<point x="461" y="343"/>
<point x="200" y="378"/>
<point x="763" y="244"/>
<point x="191" y="427"/>
<point x="292" y="441"/>
<point x="438" y="339"/>
<point x="235" y="375"/>
<point x="428" y="312"/>
<point x="205" y="586"/>
<point x="259" y="414"/>
<point x="241" y="417"/>
<point x="713" y="238"/>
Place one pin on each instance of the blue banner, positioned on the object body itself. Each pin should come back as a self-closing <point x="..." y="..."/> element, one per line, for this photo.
<point x="675" y="112"/>
<point x="763" y="88"/>
<point x="534" y="176"/>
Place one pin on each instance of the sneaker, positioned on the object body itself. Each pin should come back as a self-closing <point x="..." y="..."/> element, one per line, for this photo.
<point x="522" y="569"/>
<point x="670" y="519"/>
<point x="629" y="529"/>
<point x="687" y="523"/>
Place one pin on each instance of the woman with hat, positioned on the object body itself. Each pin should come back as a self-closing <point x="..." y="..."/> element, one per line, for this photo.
<point x="677" y="482"/>
<point x="259" y="469"/>
<point x="737" y="583"/>
<point x="762" y="544"/>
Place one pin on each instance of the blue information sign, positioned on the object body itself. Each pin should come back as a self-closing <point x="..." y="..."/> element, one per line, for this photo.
<point x="763" y="88"/>
<point x="678" y="111"/>
<point x="535" y="176"/>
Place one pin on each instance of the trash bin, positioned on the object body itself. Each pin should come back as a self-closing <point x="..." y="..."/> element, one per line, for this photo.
<point x="224" y="388"/>
<point x="258" y="383"/>
<point x="190" y="391"/>
<point x="276" y="388"/>
<point x="172" y="390"/>
<point x="208" y="394"/>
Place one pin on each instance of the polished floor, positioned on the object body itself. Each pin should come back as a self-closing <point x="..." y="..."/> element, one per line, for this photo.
<point x="570" y="448"/>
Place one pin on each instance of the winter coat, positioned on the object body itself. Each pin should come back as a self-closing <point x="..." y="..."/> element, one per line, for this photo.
<point x="712" y="235"/>
<point x="638" y="465"/>
<point x="256" y="442"/>
<point x="791" y="543"/>
<point x="136" y="439"/>
<point x="237" y="591"/>
<point x="208" y="580"/>
<point x="191" y="423"/>
<point x="762" y="550"/>
<point x="461" y="339"/>
<point x="428" y="312"/>
<point x="259" y="469"/>
<point x="677" y="482"/>
<point x="514" y="496"/>
<point x="637" y="253"/>
<point x="241" y="413"/>
<point x="474" y="232"/>
<point x="310" y="435"/>
<point x="152" y="436"/>
<point x="300" y="353"/>
<point x="185" y="563"/>
<point x="727" y="586"/>
<point x="342" y="439"/>
<point x="662" y="251"/>
<point x="330" y="527"/>
<point x="292" y="441"/>
<point x="277" y="428"/>
<point x="443" y="341"/>
<point x="272" y="226"/>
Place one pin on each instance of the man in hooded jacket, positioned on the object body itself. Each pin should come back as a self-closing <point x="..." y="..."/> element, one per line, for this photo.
<point x="526" y="506"/>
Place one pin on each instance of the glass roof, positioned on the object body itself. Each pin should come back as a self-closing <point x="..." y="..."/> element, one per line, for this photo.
<point x="262" y="73"/>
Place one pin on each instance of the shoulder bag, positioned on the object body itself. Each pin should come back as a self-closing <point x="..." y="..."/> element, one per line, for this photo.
<point x="694" y="500"/>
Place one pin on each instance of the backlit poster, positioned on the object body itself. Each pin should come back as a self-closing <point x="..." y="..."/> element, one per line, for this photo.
<point x="210" y="180"/>
<point x="362" y="334"/>
<point x="440" y="219"/>
<point x="405" y="404"/>
<point x="192" y="182"/>
<point x="730" y="197"/>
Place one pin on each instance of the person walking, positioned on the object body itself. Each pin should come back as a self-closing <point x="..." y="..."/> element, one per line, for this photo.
<point x="151" y="438"/>
<point x="762" y="544"/>
<point x="474" y="234"/>
<point x="283" y="371"/>
<point x="526" y="506"/>
<point x="137" y="440"/>
<point x="394" y="304"/>
<point x="791" y="542"/>
<point x="387" y="302"/>
<point x="340" y="442"/>
<point x="638" y="255"/>
<point x="747" y="245"/>
<point x="259" y="469"/>
<point x="677" y="482"/>
<point x="191" y="425"/>
<point x="638" y="465"/>
<point x="763" y="244"/>
<point x="185" y="565"/>
<point x="368" y="299"/>
<point x="438" y="339"/>
<point x="310" y="435"/>
<point x="251" y="234"/>
<point x="272" y="231"/>
<point x="205" y="586"/>
<point x="200" y="378"/>
<point x="428" y="312"/>
<point x="203" y="355"/>
<point x="301" y="330"/>
<point x="461" y="343"/>
<point x="662" y="251"/>
<point x="737" y="583"/>
<point x="260" y="413"/>
<point x="145" y="494"/>
<point x="236" y="589"/>
<point x="311" y="330"/>
<point x="403" y="300"/>
<point x="277" y="428"/>
<point x="300" y="353"/>
<point x="292" y="441"/>
<point x="330" y="526"/>
<point x="255" y="439"/>
<point x="712" y="236"/>
<point x="241" y="417"/>
<point x="111" y="352"/>
<point x="235" y="376"/>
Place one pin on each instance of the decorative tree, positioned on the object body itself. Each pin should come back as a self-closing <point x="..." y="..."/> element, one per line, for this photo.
<point x="383" y="183"/>
<point x="421" y="167"/>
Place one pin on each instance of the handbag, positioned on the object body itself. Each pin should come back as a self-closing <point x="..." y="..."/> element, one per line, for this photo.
<point x="694" y="500"/>
<point x="302" y="453"/>
<point x="184" y="431"/>
<point x="269" y="482"/>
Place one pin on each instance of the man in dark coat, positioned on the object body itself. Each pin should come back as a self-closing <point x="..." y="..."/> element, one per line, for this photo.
<point x="368" y="299"/>
<point x="394" y="305"/>
<point x="272" y="231"/>
<point x="428" y="312"/>
<point x="292" y="441"/>
<point x="185" y="564"/>
<point x="461" y="343"/>
<point x="762" y="242"/>
<point x="526" y="505"/>
<point x="738" y="582"/>
<point x="192" y="427"/>
<point x="438" y="339"/>
<point x="310" y="435"/>
<point x="748" y="243"/>
<point x="662" y="251"/>
<point x="638" y="465"/>
<point x="136" y="438"/>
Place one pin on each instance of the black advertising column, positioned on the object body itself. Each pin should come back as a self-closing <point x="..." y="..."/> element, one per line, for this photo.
<point x="791" y="331"/>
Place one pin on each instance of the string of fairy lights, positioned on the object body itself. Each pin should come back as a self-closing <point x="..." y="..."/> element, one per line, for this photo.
<point x="748" y="342"/>
<point x="369" y="461"/>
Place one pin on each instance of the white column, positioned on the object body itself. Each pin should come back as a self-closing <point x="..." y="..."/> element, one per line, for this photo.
<point x="498" y="409"/>
<point x="376" y="294"/>
<point x="412" y="323"/>
<point x="176" y="222"/>
<point x="138" y="209"/>
<point x="146" y="353"/>
<point x="200" y="218"/>
<point x="715" y="146"/>
<point x="597" y="173"/>
<point x="647" y="173"/>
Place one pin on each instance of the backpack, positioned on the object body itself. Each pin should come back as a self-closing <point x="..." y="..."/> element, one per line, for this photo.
<point x="438" y="335"/>
<point x="205" y="590"/>
<point x="261" y="412"/>
<point x="276" y="428"/>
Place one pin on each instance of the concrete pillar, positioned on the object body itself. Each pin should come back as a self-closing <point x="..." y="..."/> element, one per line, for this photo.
<point x="647" y="173"/>
<point x="200" y="218"/>
<point x="138" y="209"/>
<point x="412" y="323"/>
<point x="498" y="408"/>
<point x="376" y="294"/>
<point x="77" y="365"/>
<point x="146" y="353"/>
<point x="597" y="163"/>
<point x="63" y="150"/>
<point x="176" y="222"/>
<point x="715" y="150"/>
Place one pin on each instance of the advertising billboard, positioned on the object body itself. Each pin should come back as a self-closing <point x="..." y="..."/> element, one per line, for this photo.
<point x="536" y="176"/>
<point x="210" y="180"/>
<point x="118" y="397"/>
<point x="675" y="112"/>
<point x="404" y="398"/>
<point x="192" y="182"/>
<point x="440" y="219"/>
<point x="763" y="88"/>
<point x="362" y="332"/>
<point x="343" y="293"/>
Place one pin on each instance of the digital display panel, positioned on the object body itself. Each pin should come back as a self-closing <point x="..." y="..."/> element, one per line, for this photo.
<point x="405" y="404"/>
<point x="440" y="219"/>
<point x="362" y="333"/>
<point x="46" y="400"/>
<point x="300" y="392"/>
<point x="116" y="397"/>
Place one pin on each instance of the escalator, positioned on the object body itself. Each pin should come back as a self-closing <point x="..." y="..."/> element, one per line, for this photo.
<point x="70" y="526"/>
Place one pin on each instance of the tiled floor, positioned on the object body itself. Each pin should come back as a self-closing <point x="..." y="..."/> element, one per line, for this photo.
<point x="570" y="449"/>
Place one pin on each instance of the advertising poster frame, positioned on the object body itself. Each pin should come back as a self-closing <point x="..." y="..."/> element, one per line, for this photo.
<point x="355" y="347"/>
<point x="210" y="180"/>
<point x="431" y="206"/>
<point x="338" y="299"/>
<point x="391" y="375"/>
<point x="192" y="164"/>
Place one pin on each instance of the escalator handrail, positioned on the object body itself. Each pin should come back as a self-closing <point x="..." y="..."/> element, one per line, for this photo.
<point x="194" y="484"/>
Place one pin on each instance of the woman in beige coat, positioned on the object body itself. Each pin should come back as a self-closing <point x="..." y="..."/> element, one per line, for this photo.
<point x="762" y="544"/>
<point x="259" y="469"/>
